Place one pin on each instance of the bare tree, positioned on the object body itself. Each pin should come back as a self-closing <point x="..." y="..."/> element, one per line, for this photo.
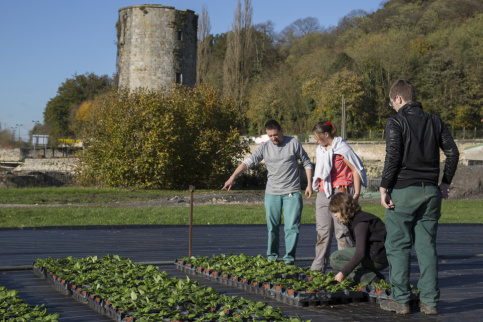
<point x="305" y="26"/>
<point x="299" y="28"/>
<point x="238" y="64"/>
<point x="203" y="62"/>
<point x="351" y="19"/>
<point x="265" y="53"/>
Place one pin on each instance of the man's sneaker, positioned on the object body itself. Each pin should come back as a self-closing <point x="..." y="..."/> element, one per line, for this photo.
<point x="426" y="309"/>
<point x="391" y="305"/>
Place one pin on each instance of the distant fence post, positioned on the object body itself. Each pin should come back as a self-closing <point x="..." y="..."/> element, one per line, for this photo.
<point x="192" y="189"/>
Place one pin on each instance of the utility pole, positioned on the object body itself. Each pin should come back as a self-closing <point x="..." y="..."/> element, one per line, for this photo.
<point x="343" y="127"/>
<point x="190" y="241"/>
<point x="13" y="135"/>
<point x="19" y="125"/>
<point x="34" y="143"/>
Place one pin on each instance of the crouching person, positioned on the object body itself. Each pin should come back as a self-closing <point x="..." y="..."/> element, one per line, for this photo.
<point x="364" y="261"/>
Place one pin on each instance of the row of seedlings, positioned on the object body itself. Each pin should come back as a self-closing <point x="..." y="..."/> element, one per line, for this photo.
<point x="126" y="291"/>
<point x="13" y="308"/>
<point x="287" y="283"/>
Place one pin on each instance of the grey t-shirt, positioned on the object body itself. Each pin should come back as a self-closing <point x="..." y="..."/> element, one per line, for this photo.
<point x="282" y="165"/>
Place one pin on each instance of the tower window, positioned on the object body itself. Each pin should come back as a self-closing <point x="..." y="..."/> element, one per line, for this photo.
<point x="179" y="78"/>
<point x="180" y="35"/>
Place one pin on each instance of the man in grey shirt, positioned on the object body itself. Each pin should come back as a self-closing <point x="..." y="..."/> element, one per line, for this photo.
<point x="283" y="187"/>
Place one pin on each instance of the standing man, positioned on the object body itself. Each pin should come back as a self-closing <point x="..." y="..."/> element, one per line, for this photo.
<point x="410" y="193"/>
<point x="283" y="187"/>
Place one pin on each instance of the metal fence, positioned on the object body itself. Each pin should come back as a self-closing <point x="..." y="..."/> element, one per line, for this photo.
<point x="372" y="185"/>
<point x="467" y="134"/>
<point x="372" y="189"/>
<point x="458" y="134"/>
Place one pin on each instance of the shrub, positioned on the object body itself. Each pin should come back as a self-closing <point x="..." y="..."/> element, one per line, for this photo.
<point x="161" y="140"/>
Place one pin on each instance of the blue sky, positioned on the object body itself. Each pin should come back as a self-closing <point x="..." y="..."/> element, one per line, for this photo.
<point x="44" y="42"/>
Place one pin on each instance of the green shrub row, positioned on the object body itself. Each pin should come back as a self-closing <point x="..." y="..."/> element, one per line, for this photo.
<point x="147" y="294"/>
<point x="13" y="308"/>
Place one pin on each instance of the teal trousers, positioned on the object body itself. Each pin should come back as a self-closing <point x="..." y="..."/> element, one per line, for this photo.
<point x="363" y="273"/>
<point x="413" y="221"/>
<point x="291" y="205"/>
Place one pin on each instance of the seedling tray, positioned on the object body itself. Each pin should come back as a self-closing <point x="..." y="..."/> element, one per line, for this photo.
<point x="287" y="296"/>
<point x="378" y="296"/>
<point x="89" y="295"/>
<point x="60" y="285"/>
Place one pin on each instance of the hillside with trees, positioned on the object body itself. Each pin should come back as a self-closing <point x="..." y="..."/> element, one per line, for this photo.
<point x="300" y="75"/>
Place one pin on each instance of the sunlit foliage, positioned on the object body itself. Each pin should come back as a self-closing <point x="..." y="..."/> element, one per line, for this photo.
<point x="161" y="140"/>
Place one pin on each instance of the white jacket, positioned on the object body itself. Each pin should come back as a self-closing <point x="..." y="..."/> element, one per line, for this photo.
<point x="324" y="162"/>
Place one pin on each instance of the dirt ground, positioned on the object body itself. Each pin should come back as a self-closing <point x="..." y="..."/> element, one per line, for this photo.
<point x="467" y="185"/>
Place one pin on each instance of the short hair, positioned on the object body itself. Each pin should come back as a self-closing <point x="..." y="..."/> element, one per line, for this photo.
<point x="324" y="127"/>
<point x="404" y="89"/>
<point x="344" y="204"/>
<point x="272" y="125"/>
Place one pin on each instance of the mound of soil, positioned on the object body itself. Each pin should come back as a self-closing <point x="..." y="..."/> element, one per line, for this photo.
<point x="467" y="183"/>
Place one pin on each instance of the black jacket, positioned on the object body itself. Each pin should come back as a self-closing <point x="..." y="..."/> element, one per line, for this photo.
<point x="376" y="236"/>
<point x="413" y="140"/>
<point x="369" y="235"/>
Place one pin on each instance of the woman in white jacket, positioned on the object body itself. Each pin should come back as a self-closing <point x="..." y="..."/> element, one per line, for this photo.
<point x="337" y="169"/>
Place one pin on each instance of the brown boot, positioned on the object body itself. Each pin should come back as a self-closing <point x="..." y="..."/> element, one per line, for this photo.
<point x="426" y="309"/>
<point x="391" y="305"/>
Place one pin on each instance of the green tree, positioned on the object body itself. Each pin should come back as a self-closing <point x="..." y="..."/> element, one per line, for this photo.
<point x="59" y="114"/>
<point x="329" y="102"/>
<point x="5" y="138"/>
<point x="215" y="58"/>
<point x="266" y="54"/>
<point x="203" y="50"/>
<point x="275" y="99"/>
<point x="156" y="140"/>
<point x="239" y="65"/>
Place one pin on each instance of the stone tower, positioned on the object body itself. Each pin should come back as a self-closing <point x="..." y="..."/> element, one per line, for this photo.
<point x="156" y="47"/>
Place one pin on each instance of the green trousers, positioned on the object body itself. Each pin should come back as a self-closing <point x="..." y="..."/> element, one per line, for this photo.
<point x="363" y="273"/>
<point x="292" y="205"/>
<point x="413" y="221"/>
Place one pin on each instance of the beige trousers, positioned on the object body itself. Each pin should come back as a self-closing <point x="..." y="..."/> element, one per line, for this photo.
<point x="327" y="225"/>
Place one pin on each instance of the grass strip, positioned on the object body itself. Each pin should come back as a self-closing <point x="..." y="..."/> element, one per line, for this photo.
<point x="74" y="195"/>
<point x="453" y="211"/>
<point x="87" y="195"/>
<point x="473" y="146"/>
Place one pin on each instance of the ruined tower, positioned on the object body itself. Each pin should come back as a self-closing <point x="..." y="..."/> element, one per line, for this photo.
<point x="156" y="47"/>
